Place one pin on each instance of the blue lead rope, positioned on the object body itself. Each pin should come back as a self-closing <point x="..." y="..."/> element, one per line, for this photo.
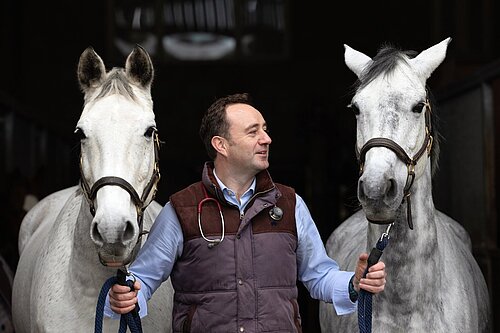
<point x="131" y="320"/>
<point x="365" y="297"/>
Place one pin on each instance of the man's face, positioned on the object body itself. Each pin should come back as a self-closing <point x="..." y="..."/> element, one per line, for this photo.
<point x="248" y="141"/>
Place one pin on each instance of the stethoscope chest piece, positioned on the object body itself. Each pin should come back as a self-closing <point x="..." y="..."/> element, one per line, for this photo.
<point x="276" y="213"/>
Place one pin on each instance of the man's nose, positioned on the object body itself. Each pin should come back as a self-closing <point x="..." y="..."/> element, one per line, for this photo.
<point x="265" y="139"/>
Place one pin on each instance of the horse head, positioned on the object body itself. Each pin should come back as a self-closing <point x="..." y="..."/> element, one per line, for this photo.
<point x="394" y="125"/>
<point x="119" y="151"/>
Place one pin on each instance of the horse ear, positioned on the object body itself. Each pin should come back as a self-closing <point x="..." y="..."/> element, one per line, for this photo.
<point x="139" y="67"/>
<point x="355" y="60"/>
<point x="428" y="60"/>
<point x="91" y="69"/>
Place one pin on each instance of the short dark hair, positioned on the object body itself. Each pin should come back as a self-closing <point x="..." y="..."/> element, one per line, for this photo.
<point x="214" y="122"/>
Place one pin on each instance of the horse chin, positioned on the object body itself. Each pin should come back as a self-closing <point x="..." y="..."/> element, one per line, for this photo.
<point x="114" y="256"/>
<point x="380" y="221"/>
<point x="380" y="216"/>
<point x="113" y="261"/>
<point x="116" y="264"/>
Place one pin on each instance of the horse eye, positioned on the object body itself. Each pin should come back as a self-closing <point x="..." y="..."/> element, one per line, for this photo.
<point x="353" y="108"/>
<point x="418" y="108"/>
<point x="80" y="134"/>
<point x="149" y="132"/>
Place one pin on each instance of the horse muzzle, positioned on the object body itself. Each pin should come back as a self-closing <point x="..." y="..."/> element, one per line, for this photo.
<point x="380" y="197"/>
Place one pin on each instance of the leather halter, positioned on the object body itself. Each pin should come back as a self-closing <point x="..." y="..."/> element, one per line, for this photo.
<point x="141" y="203"/>
<point x="403" y="156"/>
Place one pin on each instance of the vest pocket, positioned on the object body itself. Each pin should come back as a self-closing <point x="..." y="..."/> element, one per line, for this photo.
<point x="186" y="325"/>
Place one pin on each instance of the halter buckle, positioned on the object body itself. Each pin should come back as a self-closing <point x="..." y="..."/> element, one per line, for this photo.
<point x="157" y="139"/>
<point x="429" y="145"/>
<point x="411" y="168"/>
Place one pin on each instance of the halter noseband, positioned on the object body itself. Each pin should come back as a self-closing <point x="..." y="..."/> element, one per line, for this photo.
<point x="141" y="203"/>
<point x="403" y="156"/>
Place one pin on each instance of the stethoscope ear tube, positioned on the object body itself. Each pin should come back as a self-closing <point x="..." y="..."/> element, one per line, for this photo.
<point x="211" y="241"/>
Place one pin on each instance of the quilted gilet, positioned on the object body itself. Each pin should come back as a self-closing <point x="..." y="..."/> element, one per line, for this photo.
<point x="247" y="283"/>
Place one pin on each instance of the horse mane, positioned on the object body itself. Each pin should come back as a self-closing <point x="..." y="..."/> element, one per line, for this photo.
<point x="384" y="63"/>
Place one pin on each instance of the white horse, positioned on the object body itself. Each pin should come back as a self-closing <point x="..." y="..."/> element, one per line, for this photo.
<point x="72" y="241"/>
<point x="433" y="283"/>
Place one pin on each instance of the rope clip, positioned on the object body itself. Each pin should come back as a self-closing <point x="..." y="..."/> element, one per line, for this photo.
<point x="385" y="234"/>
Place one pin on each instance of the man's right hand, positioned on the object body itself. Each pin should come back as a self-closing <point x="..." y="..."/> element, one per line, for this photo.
<point x="121" y="299"/>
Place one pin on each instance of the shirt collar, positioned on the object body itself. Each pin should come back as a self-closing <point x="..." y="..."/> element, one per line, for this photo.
<point x="230" y="194"/>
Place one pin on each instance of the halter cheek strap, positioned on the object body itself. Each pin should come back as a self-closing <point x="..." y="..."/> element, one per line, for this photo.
<point x="403" y="156"/>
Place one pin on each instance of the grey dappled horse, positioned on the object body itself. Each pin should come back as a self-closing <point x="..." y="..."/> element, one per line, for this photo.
<point x="433" y="283"/>
<point x="72" y="241"/>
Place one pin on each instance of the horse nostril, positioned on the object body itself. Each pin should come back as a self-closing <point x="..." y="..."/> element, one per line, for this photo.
<point x="96" y="235"/>
<point x="128" y="233"/>
<point x="391" y="188"/>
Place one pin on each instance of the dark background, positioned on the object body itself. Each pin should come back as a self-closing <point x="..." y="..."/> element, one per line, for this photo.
<point x="296" y="75"/>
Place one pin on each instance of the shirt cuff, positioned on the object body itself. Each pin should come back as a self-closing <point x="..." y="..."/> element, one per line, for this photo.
<point x="340" y="299"/>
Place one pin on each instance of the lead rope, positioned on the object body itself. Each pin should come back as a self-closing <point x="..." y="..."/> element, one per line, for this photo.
<point x="131" y="320"/>
<point x="365" y="297"/>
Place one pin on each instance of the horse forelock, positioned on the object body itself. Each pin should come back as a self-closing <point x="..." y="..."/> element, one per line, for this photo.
<point x="384" y="63"/>
<point x="116" y="82"/>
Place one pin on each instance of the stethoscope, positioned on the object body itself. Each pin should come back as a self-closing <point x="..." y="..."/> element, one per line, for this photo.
<point x="275" y="213"/>
<point x="211" y="241"/>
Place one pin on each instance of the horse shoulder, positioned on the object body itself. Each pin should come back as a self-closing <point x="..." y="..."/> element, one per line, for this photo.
<point x="348" y="240"/>
<point x="468" y="284"/>
<point x="43" y="261"/>
<point x="45" y="211"/>
<point x="344" y="245"/>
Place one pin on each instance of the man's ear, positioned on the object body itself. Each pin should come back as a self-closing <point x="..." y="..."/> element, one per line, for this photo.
<point x="220" y="145"/>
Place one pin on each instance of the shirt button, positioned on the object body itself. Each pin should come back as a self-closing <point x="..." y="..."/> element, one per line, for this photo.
<point x="242" y="329"/>
<point x="240" y="282"/>
<point x="238" y="236"/>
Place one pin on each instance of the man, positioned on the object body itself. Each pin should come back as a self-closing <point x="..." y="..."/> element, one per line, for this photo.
<point x="235" y="243"/>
